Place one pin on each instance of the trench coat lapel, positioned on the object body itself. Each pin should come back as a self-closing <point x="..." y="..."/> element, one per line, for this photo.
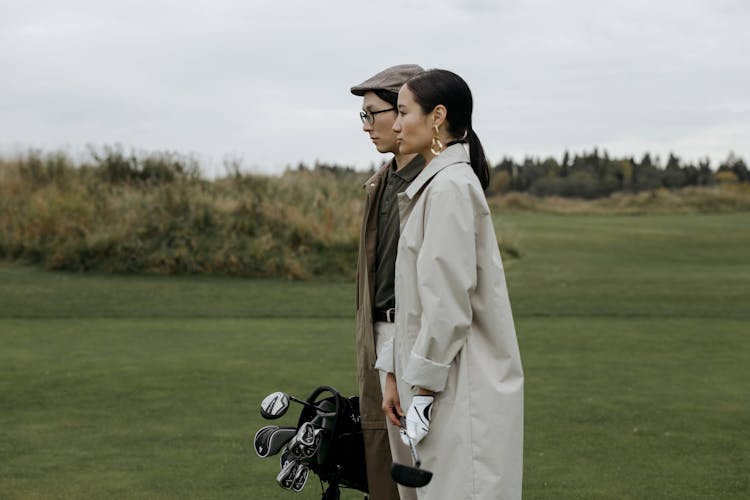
<point x="452" y="155"/>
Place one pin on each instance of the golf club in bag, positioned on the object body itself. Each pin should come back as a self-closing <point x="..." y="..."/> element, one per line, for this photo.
<point x="327" y="441"/>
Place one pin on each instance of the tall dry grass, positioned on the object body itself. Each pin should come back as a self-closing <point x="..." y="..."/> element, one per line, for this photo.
<point x="128" y="213"/>
<point x="156" y="215"/>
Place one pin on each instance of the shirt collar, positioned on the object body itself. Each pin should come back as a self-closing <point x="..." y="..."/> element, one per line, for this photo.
<point x="410" y="171"/>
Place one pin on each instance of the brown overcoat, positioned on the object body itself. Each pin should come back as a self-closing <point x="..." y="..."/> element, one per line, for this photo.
<point x="377" y="449"/>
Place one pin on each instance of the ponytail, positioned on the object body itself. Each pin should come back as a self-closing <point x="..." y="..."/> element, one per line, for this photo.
<point x="439" y="86"/>
<point x="478" y="161"/>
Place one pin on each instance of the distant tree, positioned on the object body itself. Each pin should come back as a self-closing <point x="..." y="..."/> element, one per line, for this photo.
<point x="646" y="160"/>
<point x="580" y="184"/>
<point x="736" y="165"/>
<point x="550" y="185"/>
<point x="691" y="175"/>
<point x="674" y="177"/>
<point x="646" y="175"/>
<point x="705" y="174"/>
<point x="623" y="172"/>
<point x="564" y="166"/>
<point x="500" y="182"/>
<point x="551" y="167"/>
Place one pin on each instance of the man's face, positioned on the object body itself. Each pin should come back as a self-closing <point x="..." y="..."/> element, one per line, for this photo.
<point x="380" y="130"/>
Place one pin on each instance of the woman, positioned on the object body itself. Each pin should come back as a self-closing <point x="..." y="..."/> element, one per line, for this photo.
<point x="457" y="367"/>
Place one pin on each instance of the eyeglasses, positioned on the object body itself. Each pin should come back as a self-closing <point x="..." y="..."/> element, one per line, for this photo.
<point x="369" y="116"/>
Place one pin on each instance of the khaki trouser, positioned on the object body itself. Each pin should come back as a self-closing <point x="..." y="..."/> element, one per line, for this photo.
<point x="399" y="451"/>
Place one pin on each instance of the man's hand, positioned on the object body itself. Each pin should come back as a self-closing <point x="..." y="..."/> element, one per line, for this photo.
<point x="418" y="418"/>
<point x="391" y="402"/>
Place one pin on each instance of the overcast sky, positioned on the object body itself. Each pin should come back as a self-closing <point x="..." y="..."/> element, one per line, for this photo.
<point x="268" y="81"/>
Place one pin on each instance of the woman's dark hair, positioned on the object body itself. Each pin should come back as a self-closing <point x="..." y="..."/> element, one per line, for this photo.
<point x="388" y="96"/>
<point x="439" y="86"/>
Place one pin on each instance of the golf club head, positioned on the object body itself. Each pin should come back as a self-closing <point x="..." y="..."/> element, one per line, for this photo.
<point x="306" y="434"/>
<point x="285" y="457"/>
<point x="300" y="478"/>
<point x="285" y="478"/>
<point x="410" y="476"/>
<point x="271" y="441"/>
<point x="308" y="446"/>
<point x="301" y="446"/>
<point x="274" y="405"/>
<point x="317" y="441"/>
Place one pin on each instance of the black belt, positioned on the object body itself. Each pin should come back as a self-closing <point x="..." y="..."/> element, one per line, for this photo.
<point x="385" y="315"/>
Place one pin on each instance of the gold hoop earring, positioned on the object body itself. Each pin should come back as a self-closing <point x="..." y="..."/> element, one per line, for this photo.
<point x="436" y="146"/>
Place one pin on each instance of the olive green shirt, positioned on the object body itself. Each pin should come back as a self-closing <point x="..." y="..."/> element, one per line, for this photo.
<point x="388" y="230"/>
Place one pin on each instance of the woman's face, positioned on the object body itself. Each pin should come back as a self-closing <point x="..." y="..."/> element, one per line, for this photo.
<point x="413" y="128"/>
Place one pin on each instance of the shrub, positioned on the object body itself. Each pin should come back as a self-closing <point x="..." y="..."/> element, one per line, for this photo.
<point x="131" y="213"/>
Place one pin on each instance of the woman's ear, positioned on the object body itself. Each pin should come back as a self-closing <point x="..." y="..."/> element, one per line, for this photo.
<point x="439" y="114"/>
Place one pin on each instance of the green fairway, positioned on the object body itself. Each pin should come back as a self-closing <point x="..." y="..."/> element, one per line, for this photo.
<point x="634" y="332"/>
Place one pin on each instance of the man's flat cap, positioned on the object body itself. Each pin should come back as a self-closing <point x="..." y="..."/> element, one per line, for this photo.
<point x="390" y="79"/>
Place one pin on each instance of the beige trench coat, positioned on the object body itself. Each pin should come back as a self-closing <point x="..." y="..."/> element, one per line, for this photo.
<point x="377" y="449"/>
<point x="455" y="335"/>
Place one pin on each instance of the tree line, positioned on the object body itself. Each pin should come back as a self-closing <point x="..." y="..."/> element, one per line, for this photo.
<point x="594" y="174"/>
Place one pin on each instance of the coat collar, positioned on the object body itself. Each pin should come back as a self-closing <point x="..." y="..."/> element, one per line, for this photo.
<point x="377" y="176"/>
<point x="451" y="155"/>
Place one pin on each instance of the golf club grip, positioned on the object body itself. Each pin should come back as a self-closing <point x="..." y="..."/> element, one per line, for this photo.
<point x="337" y="397"/>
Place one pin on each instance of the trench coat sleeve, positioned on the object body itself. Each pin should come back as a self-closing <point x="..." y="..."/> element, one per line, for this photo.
<point x="446" y="278"/>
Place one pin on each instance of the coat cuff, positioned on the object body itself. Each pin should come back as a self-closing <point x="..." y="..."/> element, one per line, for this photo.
<point x="425" y="373"/>
<point x="385" y="357"/>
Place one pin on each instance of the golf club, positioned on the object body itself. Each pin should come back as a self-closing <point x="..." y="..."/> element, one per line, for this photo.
<point x="286" y="477"/>
<point x="276" y="404"/>
<point x="413" y="477"/>
<point x="312" y="449"/>
<point x="285" y="457"/>
<point x="270" y="439"/>
<point x="300" y="478"/>
<point x="307" y="441"/>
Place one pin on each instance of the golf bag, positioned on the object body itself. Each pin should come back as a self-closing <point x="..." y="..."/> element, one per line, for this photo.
<point x="327" y="441"/>
<point x="340" y="460"/>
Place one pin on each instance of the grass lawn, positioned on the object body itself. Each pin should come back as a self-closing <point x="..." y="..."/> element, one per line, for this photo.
<point x="634" y="333"/>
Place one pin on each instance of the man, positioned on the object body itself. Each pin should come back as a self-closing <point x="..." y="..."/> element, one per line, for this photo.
<point x="375" y="277"/>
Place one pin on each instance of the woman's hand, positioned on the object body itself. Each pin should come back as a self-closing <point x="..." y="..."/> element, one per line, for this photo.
<point x="418" y="418"/>
<point x="391" y="402"/>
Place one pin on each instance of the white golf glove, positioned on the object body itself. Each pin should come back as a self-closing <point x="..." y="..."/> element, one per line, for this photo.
<point x="418" y="419"/>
